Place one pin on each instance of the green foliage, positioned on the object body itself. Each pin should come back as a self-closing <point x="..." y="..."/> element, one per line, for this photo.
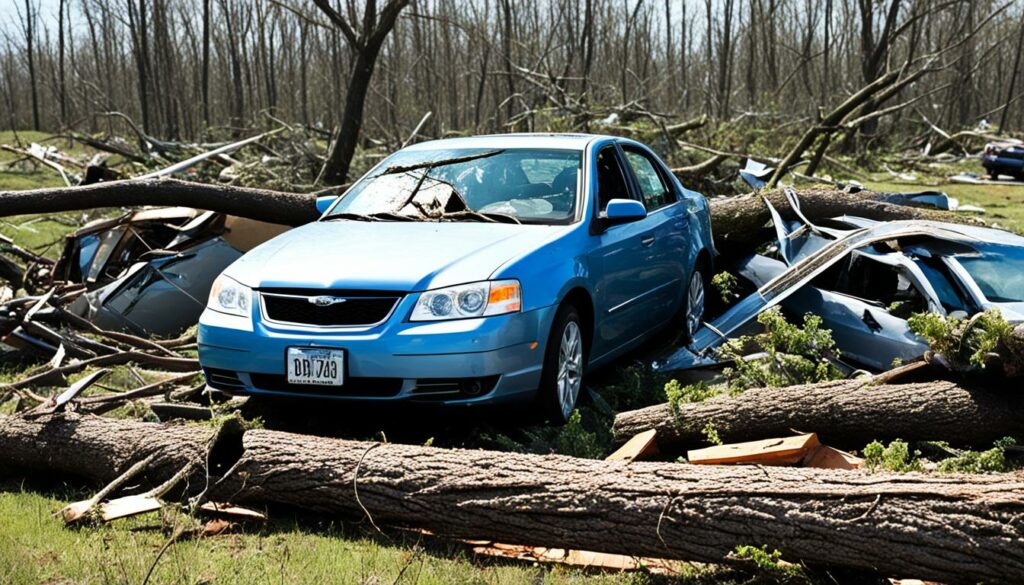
<point x="968" y="344"/>
<point x="990" y="461"/>
<point x="678" y="394"/>
<point x="895" y="457"/>
<point x="793" y="354"/>
<point x="635" y="386"/>
<point x="725" y="283"/>
<point x="769" y="561"/>
<point x="711" y="434"/>
<point x="576" y="441"/>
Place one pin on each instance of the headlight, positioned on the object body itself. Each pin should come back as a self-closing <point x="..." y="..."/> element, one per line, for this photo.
<point x="479" y="299"/>
<point x="229" y="296"/>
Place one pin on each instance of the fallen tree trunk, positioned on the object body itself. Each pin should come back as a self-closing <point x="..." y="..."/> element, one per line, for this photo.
<point x="847" y="413"/>
<point x="737" y="222"/>
<point x="260" y="204"/>
<point x="953" y="528"/>
<point x="99" y="449"/>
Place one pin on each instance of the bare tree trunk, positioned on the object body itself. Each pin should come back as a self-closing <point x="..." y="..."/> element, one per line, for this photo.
<point x="205" y="74"/>
<point x="30" y="50"/>
<point x="366" y="44"/>
<point x="952" y="528"/>
<point x="62" y="81"/>
<point x="1013" y="75"/>
<point x="848" y="413"/>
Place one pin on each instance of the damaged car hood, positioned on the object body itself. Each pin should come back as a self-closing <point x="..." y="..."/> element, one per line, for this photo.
<point x="386" y="255"/>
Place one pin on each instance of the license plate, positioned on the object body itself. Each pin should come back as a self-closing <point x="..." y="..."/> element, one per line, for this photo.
<point x="321" y="367"/>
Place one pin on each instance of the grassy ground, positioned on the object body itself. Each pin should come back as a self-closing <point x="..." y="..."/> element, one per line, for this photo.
<point x="35" y="548"/>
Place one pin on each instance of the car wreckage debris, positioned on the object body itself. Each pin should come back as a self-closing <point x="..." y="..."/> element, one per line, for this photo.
<point x="953" y="528"/>
<point x="848" y="413"/>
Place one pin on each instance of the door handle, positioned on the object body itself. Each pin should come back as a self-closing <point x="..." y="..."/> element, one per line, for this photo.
<point x="646" y="241"/>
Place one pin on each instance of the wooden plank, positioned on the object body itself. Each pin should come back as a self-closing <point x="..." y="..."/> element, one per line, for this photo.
<point x="783" y="451"/>
<point x="825" y="457"/>
<point x="642" y="446"/>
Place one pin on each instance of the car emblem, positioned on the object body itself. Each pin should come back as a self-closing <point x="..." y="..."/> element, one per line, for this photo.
<point x="325" y="300"/>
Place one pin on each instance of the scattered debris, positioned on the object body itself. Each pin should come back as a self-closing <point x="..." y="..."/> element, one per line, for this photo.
<point x="640" y="446"/>
<point x="579" y="558"/>
<point x="785" y="451"/>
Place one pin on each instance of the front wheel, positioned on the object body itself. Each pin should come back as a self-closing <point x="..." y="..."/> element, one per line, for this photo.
<point x="564" y="361"/>
<point x="693" y="304"/>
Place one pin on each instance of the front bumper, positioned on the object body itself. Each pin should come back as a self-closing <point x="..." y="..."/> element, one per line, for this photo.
<point x="463" y="361"/>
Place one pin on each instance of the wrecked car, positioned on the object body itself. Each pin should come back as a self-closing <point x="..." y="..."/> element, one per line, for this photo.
<point x="149" y="272"/>
<point x="465" y="271"/>
<point x="1004" y="159"/>
<point x="865" y="278"/>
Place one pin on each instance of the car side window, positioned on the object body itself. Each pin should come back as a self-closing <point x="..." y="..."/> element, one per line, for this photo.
<point x="652" y="187"/>
<point x="611" y="181"/>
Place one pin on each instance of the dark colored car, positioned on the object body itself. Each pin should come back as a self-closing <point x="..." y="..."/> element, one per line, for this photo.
<point x="1004" y="159"/>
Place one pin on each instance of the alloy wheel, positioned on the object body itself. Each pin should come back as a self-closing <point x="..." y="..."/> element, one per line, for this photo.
<point x="695" y="303"/>
<point x="570" y="368"/>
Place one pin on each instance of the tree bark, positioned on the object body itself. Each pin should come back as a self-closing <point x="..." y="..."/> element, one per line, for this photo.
<point x="737" y="221"/>
<point x="260" y="204"/>
<point x="953" y="528"/>
<point x="99" y="449"/>
<point x="847" y="413"/>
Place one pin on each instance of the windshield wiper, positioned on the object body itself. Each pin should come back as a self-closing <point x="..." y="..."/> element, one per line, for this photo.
<point x="379" y="216"/>
<point x="394" y="169"/>
<point x="481" y="216"/>
<point x="352" y="216"/>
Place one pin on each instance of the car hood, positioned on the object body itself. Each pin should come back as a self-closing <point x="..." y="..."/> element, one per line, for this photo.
<point x="399" y="256"/>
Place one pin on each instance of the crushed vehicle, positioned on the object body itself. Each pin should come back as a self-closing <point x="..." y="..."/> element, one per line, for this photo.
<point x="1004" y="158"/>
<point x="865" y="278"/>
<point x="467" y="271"/>
<point x="149" y="272"/>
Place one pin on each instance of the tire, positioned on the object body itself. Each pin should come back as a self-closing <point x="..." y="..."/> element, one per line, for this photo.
<point x="565" y="359"/>
<point x="694" y="303"/>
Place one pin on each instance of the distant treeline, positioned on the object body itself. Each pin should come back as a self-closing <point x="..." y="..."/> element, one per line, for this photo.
<point x="181" y="67"/>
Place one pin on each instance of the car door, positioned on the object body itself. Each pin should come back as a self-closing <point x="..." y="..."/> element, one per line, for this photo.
<point x="621" y="259"/>
<point x="670" y="265"/>
<point x="867" y="308"/>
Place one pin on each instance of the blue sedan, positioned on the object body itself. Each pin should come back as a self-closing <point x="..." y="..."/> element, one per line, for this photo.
<point x="467" y="271"/>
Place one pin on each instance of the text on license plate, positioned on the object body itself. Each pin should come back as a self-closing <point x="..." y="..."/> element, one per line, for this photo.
<point x="307" y="365"/>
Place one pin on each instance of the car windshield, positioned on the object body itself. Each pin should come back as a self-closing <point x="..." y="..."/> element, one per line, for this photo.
<point x="467" y="184"/>
<point x="998" y="271"/>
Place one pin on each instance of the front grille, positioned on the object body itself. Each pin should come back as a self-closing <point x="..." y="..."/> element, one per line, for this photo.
<point x="356" y="309"/>
<point x="365" y="387"/>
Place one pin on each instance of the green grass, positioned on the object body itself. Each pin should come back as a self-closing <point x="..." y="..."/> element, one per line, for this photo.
<point x="1004" y="205"/>
<point x="35" y="548"/>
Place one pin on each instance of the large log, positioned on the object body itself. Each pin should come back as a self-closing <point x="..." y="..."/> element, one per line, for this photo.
<point x="952" y="528"/>
<point x="100" y="449"/>
<point x="737" y="221"/>
<point x="848" y="413"/>
<point x="260" y="204"/>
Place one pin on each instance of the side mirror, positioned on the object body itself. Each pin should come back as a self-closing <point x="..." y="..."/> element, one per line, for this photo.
<point x="622" y="211"/>
<point x="324" y="202"/>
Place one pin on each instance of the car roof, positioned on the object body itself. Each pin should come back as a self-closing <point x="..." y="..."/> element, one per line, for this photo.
<point x="566" y="141"/>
